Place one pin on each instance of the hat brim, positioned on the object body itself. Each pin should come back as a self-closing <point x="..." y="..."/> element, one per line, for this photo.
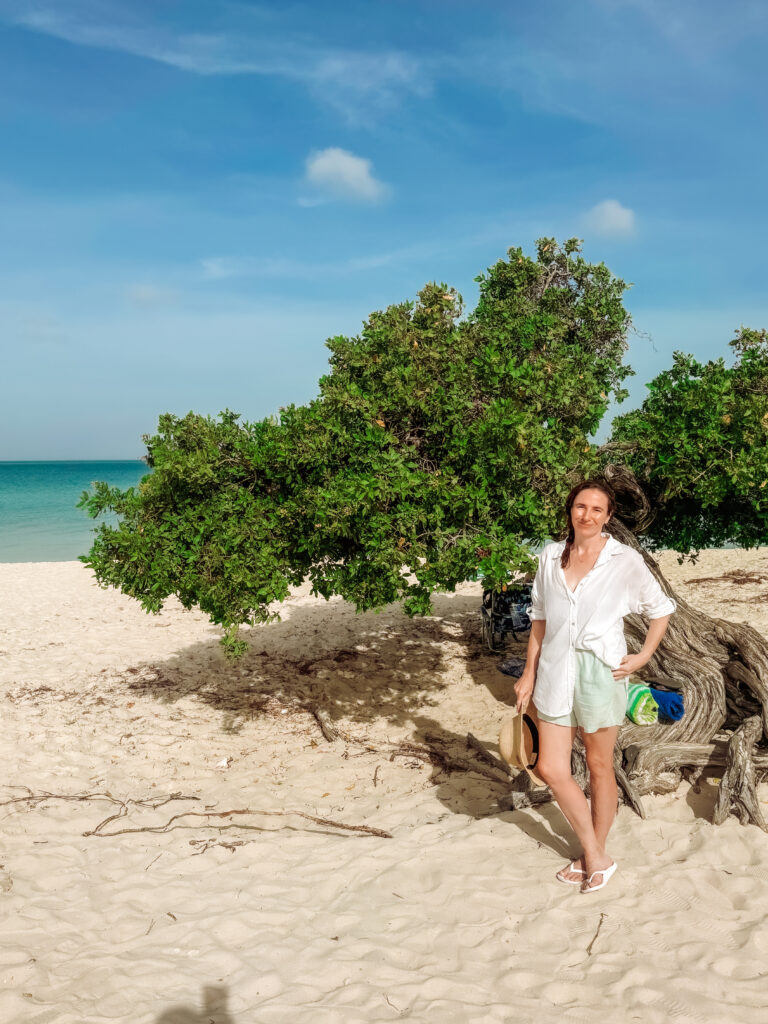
<point x="519" y="743"/>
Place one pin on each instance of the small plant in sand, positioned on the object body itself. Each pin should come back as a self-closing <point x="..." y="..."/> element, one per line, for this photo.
<point x="441" y="443"/>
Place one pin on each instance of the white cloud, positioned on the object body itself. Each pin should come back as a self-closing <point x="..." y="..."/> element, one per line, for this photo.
<point x="353" y="82"/>
<point x="339" y="173"/>
<point x="610" y="219"/>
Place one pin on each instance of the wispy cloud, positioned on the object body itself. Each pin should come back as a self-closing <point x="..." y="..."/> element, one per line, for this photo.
<point x="610" y="219"/>
<point x="220" y="268"/>
<point x="696" y="27"/>
<point x="617" y="62"/>
<point x="148" y="295"/>
<point x="352" y="81"/>
<point x="339" y="173"/>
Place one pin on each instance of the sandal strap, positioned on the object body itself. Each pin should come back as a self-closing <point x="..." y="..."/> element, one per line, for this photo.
<point x="600" y="871"/>
<point x="576" y="871"/>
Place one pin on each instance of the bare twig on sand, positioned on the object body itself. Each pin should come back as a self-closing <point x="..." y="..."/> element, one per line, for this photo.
<point x="124" y="806"/>
<point x="38" y="798"/>
<point x="597" y="932"/>
<point x="365" y="829"/>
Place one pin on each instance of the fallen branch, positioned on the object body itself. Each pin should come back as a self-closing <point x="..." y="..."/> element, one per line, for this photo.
<point x="124" y="805"/>
<point x="323" y="720"/>
<point x="38" y="798"/>
<point x="365" y="829"/>
<point x="443" y="761"/>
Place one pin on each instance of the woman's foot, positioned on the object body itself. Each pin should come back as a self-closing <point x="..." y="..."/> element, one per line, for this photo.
<point x="599" y="870"/>
<point x="573" y="873"/>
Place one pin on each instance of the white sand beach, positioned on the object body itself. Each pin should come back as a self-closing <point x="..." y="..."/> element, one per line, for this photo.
<point x="278" y="919"/>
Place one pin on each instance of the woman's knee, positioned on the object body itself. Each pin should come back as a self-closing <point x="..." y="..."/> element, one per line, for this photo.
<point x="552" y="771"/>
<point x="600" y="765"/>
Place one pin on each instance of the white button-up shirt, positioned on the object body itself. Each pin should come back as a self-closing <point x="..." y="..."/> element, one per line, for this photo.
<point x="589" y="618"/>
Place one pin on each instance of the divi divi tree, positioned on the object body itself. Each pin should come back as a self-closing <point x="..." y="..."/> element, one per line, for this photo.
<point x="442" y="445"/>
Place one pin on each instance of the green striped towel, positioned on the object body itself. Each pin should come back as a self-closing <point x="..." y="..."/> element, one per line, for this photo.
<point x="641" y="707"/>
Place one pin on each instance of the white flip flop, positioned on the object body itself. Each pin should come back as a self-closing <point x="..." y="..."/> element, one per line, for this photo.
<point x="605" y="872"/>
<point x="570" y="881"/>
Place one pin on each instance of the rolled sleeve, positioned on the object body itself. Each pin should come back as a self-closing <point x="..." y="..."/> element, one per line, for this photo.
<point x="649" y="599"/>
<point x="536" y="607"/>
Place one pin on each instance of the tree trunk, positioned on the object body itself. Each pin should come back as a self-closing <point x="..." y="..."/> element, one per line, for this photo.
<point x="723" y="668"/>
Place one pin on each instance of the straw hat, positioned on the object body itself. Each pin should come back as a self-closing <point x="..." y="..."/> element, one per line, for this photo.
<point x="519" y="742"/>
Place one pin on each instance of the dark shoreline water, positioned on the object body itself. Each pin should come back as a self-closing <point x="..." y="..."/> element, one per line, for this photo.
<point x="39" y="518"/>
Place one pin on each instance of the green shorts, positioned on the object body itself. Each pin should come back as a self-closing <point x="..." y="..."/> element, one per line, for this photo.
<point x="599" y="700"/>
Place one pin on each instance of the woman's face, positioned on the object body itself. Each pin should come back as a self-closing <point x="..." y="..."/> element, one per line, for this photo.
<point x="589" y="512"/>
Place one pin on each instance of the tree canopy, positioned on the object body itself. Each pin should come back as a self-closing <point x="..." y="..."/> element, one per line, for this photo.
<point x="699" y="448"/>
<point x="440" y="445"/>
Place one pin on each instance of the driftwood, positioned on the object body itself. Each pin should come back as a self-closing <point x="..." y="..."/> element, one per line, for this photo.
<point x="738" y="787"/>
<point x="722" y="667"/>
<point x="323" y="719"/>
<point x="522" y="793"/>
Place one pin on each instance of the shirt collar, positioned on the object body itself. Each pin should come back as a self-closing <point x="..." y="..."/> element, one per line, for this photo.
<point x="612" y="547"/>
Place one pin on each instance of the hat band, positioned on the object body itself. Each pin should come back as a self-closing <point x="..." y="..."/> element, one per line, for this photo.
<point x="534" y="739"/>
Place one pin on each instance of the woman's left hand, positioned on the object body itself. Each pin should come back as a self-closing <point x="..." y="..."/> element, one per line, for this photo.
<point x="629" y="663"/>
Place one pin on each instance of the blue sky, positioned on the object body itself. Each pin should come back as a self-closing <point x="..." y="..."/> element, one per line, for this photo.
<point x="194" y="196"/>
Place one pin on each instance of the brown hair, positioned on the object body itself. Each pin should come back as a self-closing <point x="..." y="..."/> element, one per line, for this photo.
<point x="597" y="484"/>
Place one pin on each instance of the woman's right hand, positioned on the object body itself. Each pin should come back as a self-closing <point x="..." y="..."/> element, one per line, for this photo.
<point x="523" y="691"/>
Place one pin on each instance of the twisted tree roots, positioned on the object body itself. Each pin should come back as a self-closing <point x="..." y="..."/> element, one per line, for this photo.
<point x="723" y="668"/>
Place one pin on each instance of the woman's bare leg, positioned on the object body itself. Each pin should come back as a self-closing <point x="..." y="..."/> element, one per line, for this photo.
<point x="599" y="748"/>
<point x="554" y="766"/>
<point x="591" y="825"/>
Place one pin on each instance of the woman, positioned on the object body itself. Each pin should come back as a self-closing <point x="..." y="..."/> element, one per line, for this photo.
<point x="577" y="665"/>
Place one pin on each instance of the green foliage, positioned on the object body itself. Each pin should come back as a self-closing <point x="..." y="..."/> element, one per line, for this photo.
<point x="437" y="447"/>
<point x="699" y="448"/>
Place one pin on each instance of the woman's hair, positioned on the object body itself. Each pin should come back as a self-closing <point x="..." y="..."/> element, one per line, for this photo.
<point x="598" y="484"/>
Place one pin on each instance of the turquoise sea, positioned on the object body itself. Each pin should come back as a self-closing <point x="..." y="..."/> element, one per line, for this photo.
<point x="39" y="518"/>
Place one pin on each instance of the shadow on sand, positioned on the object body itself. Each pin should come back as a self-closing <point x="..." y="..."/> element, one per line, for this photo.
<point x="213" y="1010"/>
<point x="363" y="669"/>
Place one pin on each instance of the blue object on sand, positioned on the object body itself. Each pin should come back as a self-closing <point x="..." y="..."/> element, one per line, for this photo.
<point x="512" y="667"/>
<point x="671" y="707"/>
